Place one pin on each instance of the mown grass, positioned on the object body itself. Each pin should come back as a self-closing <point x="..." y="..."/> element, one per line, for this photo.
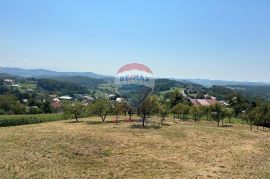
<point x="16" y="120"/>
<point x="91" y="149"/>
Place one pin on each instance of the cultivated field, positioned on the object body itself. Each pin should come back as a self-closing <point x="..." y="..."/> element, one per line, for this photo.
<point x="91" y="149"/>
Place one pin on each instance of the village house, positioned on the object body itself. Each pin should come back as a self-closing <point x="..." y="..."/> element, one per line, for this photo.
<point x="9" y="81"/>
<point x="87" y="100"/>
<point x="56" y="103"/>
<point x="203" y="102"/>
<point x="65" y="98"/>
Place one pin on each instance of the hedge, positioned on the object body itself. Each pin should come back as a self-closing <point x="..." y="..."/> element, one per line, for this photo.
<point x="16" y="120"/>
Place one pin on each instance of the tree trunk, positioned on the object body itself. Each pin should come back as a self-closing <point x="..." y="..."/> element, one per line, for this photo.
<point x="218" y="123"/>
<point x="251" y="127"/>
<point x="103" y="118"/>
<point x="144" y="117"/>
<point x="116" y="119"/>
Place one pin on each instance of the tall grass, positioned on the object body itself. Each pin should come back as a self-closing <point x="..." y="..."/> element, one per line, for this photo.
<point x="16" y="120"/>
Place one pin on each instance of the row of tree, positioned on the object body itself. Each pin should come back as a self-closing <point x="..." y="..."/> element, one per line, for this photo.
<point x="255" y="115"/>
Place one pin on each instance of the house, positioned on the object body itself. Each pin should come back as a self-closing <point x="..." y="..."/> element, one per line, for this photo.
<point x="120" y="100"/>
<point x="9" y="81"/>
<point x="25" y="101"/>
<point x="111" y="97"/>
<point x="87" y="100"/>
<point x="203" y="102"/>
<point x="16" y="85"/>
<point x="207" y="96"/>
<point x="191" y="90"/>
<point x="56" y="103"/>
<point x="29" y="90"/>
<point x="53" y="96"/>
<point x="65" y="98"/>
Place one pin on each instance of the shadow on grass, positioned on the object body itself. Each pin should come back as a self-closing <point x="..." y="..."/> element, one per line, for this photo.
<point x="226" y="125"/>
<point x="150" y="126"/>
<point x="166" y="124"/>
<point x="74" y="122"/>
<point x="99" y="122"/>
<point x="110" y="122"/>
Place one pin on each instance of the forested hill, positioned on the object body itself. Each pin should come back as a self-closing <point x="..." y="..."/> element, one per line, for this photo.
<point x="252" y="92"/>
<point x="42" y="73"/>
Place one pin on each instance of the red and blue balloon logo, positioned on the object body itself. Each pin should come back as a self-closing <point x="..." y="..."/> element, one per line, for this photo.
<point x="135" y="82"/>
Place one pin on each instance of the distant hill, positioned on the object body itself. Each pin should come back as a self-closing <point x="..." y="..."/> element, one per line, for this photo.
<point x="41" y="73"/>
<point x="209" y="83"/>
<point x="164" y="84"/>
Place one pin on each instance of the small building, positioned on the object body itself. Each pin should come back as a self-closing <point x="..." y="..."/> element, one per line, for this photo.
<point x="56" y="103"/>
<point x="53" y="96"/>
<point x="25" y="101"/>
<point x="9" y="81"/>
<point x="16" y="85"/>
<point x="87" y="100"/>
<point x="29" y="90"/>
<point x="203" y="102"/>
<point x="65" y="98"/>
<point x="120" y="100"/>
<point x="111" y="97"/>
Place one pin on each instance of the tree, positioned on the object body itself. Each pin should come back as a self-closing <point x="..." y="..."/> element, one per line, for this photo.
<point x="217" y="113"/>
<point x="180" y="109"/>
<point x="102" y="108"/>
<point x="117" y="109"/>
<point x="206" y="111"/>
<point x="148" y="107"/>
<point x="176" y="111"/>
<point x="47" y="107"/>
<point x="250" y="117"/>
<point x="229" y="113"/>
<point x="163" y="111"/>
<point x="76" y="109"/>
<point x="196" y="112"/>
<point x="184" y="110"/>
<point x="175" y="97"/>
<point x="10" y="105"/>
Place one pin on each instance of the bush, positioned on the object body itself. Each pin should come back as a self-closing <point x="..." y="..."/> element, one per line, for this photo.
<point x="16" y="120"/>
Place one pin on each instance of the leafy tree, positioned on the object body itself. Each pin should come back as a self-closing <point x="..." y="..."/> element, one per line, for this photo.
<point x="163" y="111"/>
<point x="10" y="105"/>
<point x="196" y="112"/>
<point x="180" y="109"/>
<point x="47" y="107"/>
<point x="250" y="117"/>
<point x="238" y="103"/>
<point x="148" y="107"/>
<point x="102" y="108"/>
<point x="206" y="111"/>
<point x="217" y="113"/>
<point x="175" y="97"/>
<point x="76" y="109"/>
<point x="117" y="109"/>
<point x="229" y="113"/>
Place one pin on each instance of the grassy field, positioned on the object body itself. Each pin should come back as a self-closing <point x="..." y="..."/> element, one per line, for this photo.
<point x="91" y="149"/>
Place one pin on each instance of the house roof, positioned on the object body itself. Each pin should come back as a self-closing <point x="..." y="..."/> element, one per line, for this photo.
<point x="203" y="102"/>
<point x="65" y="97"/>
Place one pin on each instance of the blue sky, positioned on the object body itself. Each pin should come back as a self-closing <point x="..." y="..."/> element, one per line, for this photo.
<point x="214" y="39"/>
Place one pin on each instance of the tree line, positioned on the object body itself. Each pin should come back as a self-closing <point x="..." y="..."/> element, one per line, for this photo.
<point x="179" y="107"/>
